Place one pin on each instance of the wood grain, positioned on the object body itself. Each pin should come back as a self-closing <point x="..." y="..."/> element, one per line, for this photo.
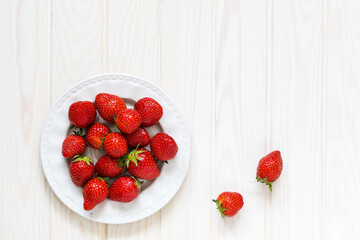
<point x="240" y="114"/>
<point x="24" y="105"/>
<point x="187" y="76"/>
<point x="77" y="49"/>
<point x="294" y="118"/>
<point x="134" y="38"/>
<point x="341" y="104"/>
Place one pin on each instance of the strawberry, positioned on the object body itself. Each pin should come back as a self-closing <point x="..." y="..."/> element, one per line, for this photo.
<point x="95" y="135"/>
<point x="140" y="137"/>
<point x="150" y="110"/>
<point x="81" y="170"/>
<point x="108" y="166"/>
<point x="115" y="144"/>
<point x="269" y="168"/>
<point x="82" y="114"/>
<point x="229" y="203"/>
<point x="108" y="105"/>
<point x="95" y="192"/>
<point x="142" y="164"/>
<point x="163" y="146"/>
<point x="73" y="145"/>
<point x="128" y="120"/>
<point x="124" y="189"/>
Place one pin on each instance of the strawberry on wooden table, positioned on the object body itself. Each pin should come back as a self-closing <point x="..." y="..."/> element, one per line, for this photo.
<point x="95" y="192"/>
<point x="95" y="135"/>
<point x="128" y="120"/>
<point x="115" y="144"/>
<point x="141" y="164"/>
<point x="73" y="145"/>
<point x="163" y="146"/>
<point x="124" y="189"/>
<point x="229" y="203"/>
<point x="140" y="137"/>
<point x="151" y="111"/>
<point x="108" y="166"/>
<point x="269" y="168"/>
<point x="81" y="170"/>
<point x="82" y="113"/>
<point x="108" y="105"/>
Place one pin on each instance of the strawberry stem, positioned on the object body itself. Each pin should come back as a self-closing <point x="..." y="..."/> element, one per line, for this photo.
<point x="220" y="207"/>
<point x="133" y="156"/>
<point x="121" y="162"/>
<point x="105" y="179"/>
<point x="264" y="180"/>
<point x="78" y="131"/>
<point x="79" y="158"/>
<point x="137" y="182"/>
<point x="102" y="142"/>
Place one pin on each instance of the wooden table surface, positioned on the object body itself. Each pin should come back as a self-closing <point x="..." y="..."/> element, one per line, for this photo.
<point x="249" y="76"/>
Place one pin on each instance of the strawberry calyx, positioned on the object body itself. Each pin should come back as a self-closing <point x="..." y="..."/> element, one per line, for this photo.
<point x="137" y="182"/>
<point x="79" y="158"/>
<point x="133" y="156"/>
<point x="102" y="143"/>
<point x="105" y="179"/>
<point x="264" y="180"/>
<point x="121" y="162"/>
<point x="219" y="206"/>
<point x="77" y="131"/>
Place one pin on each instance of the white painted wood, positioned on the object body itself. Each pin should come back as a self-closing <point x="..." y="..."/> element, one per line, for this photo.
<point x="249" y="76"/>
<point x="134" y="38"/>
<point x="240" y="114"/>
<point x="78" y="45"/>
<point x="294" y="117"/>
<point x="24" y="100"/>
<point x="341" y="121"/>
<point x="187" y="76"/>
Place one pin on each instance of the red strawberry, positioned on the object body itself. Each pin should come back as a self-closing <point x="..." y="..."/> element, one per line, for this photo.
<point x="108" y="105"/>
<point x="128" y="120"/>
<point x="140" y="136"/>
<point x="142" y="164"/>
<point x="95" y="192"/>
<point x="163" y="147"/>
<point x="229" y="203"/>
<point x="108" y="166"/>
<point x="124" y="189"/>
<point x="81" y="170"/>
<point x="95" y="135"/>
<point x="115" y="144"/>
<point x="150" y="110"/>
<point x="82" y="113"/>
<point x="269" y="168"/>
<point x="73" y="145"/>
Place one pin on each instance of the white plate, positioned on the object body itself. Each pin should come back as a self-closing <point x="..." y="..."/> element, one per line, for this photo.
<point x="154" y="194"/>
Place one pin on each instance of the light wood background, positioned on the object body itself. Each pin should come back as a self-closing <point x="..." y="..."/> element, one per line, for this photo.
<point x="250" y="76"/>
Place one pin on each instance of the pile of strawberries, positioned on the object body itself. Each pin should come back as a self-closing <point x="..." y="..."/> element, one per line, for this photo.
<point x="125" y="149"/>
